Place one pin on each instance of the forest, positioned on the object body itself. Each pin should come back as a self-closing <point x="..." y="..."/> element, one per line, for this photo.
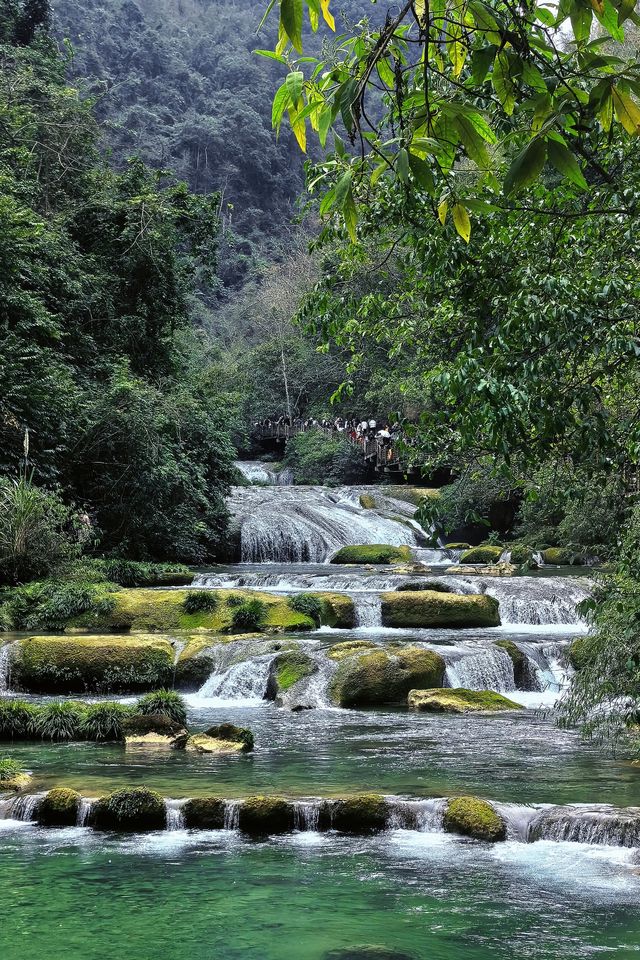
<point x="319" y="478"/>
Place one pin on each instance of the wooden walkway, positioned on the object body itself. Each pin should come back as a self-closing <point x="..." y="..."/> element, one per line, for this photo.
<point x="378" y="455"/>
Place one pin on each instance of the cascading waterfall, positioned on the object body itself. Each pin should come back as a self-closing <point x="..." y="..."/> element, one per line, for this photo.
<point x="596" y="824"/>
<point x="537" y="600"/>
<point x="490" y="668"/>
<point x="368" y="609"/>
<point x="84" y="811"/>
<point x="24" y="808"/>
<point x="175" y="814"/>
<point x="246" y="680"/>
<point x="306" y="815"/>
<point x="5" y="667"/>
<point x="257" y="471"/>
<point x="425" y="816"/>
<point x="548" y="664"/>
<point x="309" y="524"/>
<point x="231" y="815"/>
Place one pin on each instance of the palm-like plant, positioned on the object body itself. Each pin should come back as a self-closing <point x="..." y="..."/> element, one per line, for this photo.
<point x="168" y="703"/>
<point x="104" y="721"/>
<point x="61" y="720"/>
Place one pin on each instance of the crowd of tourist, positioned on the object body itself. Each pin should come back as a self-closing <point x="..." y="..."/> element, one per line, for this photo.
<point x="357" y="431"/>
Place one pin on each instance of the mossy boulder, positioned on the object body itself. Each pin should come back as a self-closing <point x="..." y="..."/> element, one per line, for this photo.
<point x="430" y="608"/>
<point x="363" y="813"/>
<point x="92" y="664"/>
<point x="58" y="808"/>
<point x="473" y="817"/>
<point x="521" y="669"/>
<point x="457" y="546"/>
<point x="164" y="611"/>
<point x="347" y="648"/>
<point x="259" y="816"/>
<point x="204" y="813"/>
<point x="338" y="610"/>
<point x="486" y="554"/>
<point x="372" y="553"/>
<point x="224" y="738"/>
<point x="415" y="586"/>
<point x="561" y="556"/>
<point x="367" y="501"/>
<point x="382" y="676"/>
<point x="522" y="556"/>
<point x="287" y="669"/>
<point x="154" y="730"/>
<point x="460" y="700"/>
<point x="20" y="781"/>
<point x="136" y="809"/>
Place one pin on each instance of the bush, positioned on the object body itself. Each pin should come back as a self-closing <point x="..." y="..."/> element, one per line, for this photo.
<point x="17" y="718"/>
<point x="315" y="458"/>
<point x="167" y="703"/>
<point x="104" y="721"/>
<point x="131" y="573"/>
<point x="49" y="605"/>
<point x="235" y="600"/>
<point x="59" y="721"/>
<point x="34" y="537"/>
<point x="249" y="615"/>
<point x="199" y="601"/>
<point x="307" y="604"/>
<point x="476" y="500"/>
<point x="9" y="770"/>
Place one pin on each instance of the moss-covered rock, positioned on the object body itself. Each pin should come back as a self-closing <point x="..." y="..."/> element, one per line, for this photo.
<point x="338" y="610"/>
<point x="135" y="809"/>
<point x="287" y="669"/>
<point x="472" y="817"/>
<point x="460" y="700"/>
<point x="416" y="586"/>
<point x="58" y="808"/>
<point x="347" y="648"/>
<point x="78" y="664"/>
<point x="224" y="738"/>
<point x="382" y="676"/>
<point x="486" y="554"/>
<point x="204" y="813"/>
<point x="519" y="661"/>
<point x="372" y="553"/>
<point x="163" y="611"/>
<point x="561" y="556"/>
<point x="428" y="608"/>
<point x="363" y="813"/>
<point x="457" y="546"/>
<point x="521" y="556"/>
<point x="259" y="816"/>
<point x="154" y="730"/>
<point x="367" y="501"/>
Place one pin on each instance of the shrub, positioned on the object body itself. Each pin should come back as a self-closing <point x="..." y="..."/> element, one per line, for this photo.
<point x="315" y="458"/>
<point x="249" y="615"/>
<point x="16" y="719"/>
<point x="476" y="500"/>
<point x="307" y="604"/>
<point x="104" y="721"/>
<point x="167" y="703"/>
<point x="229" y="732"/>
<point x="33" y="531"/>
<point x="49" y="605"/>
<point x="131" y="573"/>
<point x="9" y="770"/>
<point x="61" y="720"/>
<point x="234" y="600"/>
<point x="199" y="601"/>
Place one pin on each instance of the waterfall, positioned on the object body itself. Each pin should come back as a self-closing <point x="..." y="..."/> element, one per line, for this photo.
<point x="246" y="680"/>
<point x="489" y="668"/>
<point x="5" y="667"/>
<point x="311" y="693"/>
<point x="24" y="808"/>
<point x="597" y="824"/>
<point x="518" y="819"/>
<point x="368" y="609"/>
<point x="231" y="815"/>
<point x="306" y="815"/>
<point x="424" y="816"/>
<point x="257" y="471"/>
<point x="84" y="812"/>
<point x="285" y="581"/>
<point x="537" y="600"/>
<point x="309" y="524"/>
<point x="548" y="664"/>
<point x="175" y="814"/>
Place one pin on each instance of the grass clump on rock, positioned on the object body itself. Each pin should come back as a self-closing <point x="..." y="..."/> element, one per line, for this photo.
<point x="372" y="553"/>
<point x="430" y="608"/>
<point x="486" y="554"/>
<point x="17" y="718"/>
<point x="168" y="703"/>
<point x="249" y="615"/>
<point x="58" y="808"/>
<point x="364" y="813"/>
<point x="259" y="816"/>
<point x="204" y="813"/>
<point x="103" y="722"/>
<point x="380" y="676"/>
<point x="309" y="604"/>
<point x="198" y="601"/>
<point x="13" y="775"/>
<point x="460" y="700"/>
<point x="133" y="809"/>
<point x="61" y="720"/>
<point x="472" y="817"/>
<point x="92" y="664"/>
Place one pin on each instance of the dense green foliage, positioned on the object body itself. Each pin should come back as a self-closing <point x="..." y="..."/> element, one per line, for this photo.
<point x="249" y="615"/>
<point x="50" y="604"/>
<point x="309" y="604"/>
<point x="317" y="458"/>
<point x="98" y="358"/>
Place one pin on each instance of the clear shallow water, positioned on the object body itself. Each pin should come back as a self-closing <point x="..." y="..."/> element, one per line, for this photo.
<point x="203" y="895"/>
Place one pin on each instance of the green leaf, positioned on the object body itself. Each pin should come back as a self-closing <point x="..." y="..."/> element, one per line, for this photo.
<point x="461" y="221"/>
<point x="581" y="17"/>
<point x="627" y="111"/>
<point x="565" y="163"/>
<point x="443" y="207"/>
<point x="422" y="173"/>
<point x="502" y="82"/>
<point x="527" y="167"/>
<point x="291" y="20"/>
<point x="270" y="54"/>
<point x="280" y="103"/>
<point x="350" y="213"/>
<point x="402" y="165"/>
<point x="481" y="60"/>
<point x="343" y="187"/>
<point x="473" y="144"/>
<point x="625" y="10"/>
<point x="609" y="20"/>
<point x="295" y="82"/>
